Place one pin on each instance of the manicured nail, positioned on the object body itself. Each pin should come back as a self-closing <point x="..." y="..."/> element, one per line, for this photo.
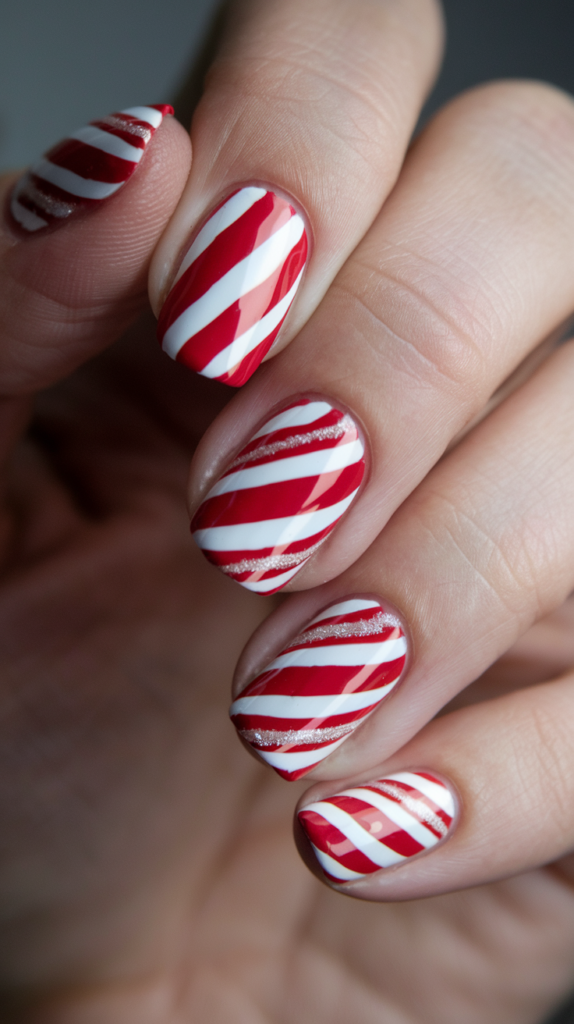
<point x="235" y="286"/>
<point x="378" y="825"/>
<point x="282" y="496"/>
<point x="86" y="168"/>
<point x="322" y="685"/>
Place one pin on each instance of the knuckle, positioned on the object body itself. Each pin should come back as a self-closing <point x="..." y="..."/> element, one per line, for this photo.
<point x="416" y="316"/>
<point x="526" y="131"/>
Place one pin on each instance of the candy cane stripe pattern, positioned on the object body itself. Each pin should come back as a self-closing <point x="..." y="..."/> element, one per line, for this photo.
<point x="86" y="168"/>
<point x="322" y="686"/>
<point x="282" y="496"/>
<point x="378" y="825"/>
<point x="235" y="286"/>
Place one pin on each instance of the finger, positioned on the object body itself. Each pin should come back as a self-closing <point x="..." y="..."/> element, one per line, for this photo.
<point x="297" y="141"/>
<point x="467" y="268"/>
<point x="481" y="550"/>
<point x="507" y="764"/>
<point x="79" y="231"/>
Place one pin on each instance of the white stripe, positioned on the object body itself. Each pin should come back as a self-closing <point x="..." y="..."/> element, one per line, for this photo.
<point x="148" y="114"/>
<point x="294" y="467"/>
<point x="396" y="813"/>
<point x="105" y="142"/>
<point x="270" y="533"/>
<point x="229" y="357"/>
<point x="25" y="217"/>
<point x="367" y="844"/>
<point x="85" y="188"/>
<point x="440" y="795"/>
<point x="294" y="761"/>
<point x="356" y="654"/>
<point x="281" y="705"/>
<point x="333" y="867"/>
<point x="298" y="416"/>
<point x="241" y="279"/>
<point x="231" y="211"/>
<point x="344" y="608"/>
<point x="264" y="586"/>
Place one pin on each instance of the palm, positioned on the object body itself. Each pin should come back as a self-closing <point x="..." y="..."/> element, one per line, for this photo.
<point x="145" y="858"/>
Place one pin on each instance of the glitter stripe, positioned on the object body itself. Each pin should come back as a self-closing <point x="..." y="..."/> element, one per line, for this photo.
<point x="322" y="434"/>
<point x="299" y="737"/>
<point x="270" y="561"/>
<point x="362" y="627"/>
<point x="416" y="807"/>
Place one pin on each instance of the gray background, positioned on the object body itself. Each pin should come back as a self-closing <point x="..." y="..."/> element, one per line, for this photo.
<point x="64" y="62"/>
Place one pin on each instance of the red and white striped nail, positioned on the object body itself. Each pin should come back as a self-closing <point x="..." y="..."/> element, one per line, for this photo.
<point x="85" y="169"/>
<point x="282" y="496"/>
<point x="235" y="286"/>
<point x="324" y="683"/>
<point x="378" y="825"/>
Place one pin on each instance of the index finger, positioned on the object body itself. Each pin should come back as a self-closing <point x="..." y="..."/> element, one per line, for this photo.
<point x="299" y="138"/>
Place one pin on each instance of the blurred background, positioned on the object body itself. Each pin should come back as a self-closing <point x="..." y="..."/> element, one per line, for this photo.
<point x="63" y="63"/>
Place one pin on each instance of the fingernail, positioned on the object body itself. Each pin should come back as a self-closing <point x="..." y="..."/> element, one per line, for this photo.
<point x="379" y="825"/>
<point x="85" y="169"/>
<point x="322" y="685"/>
<point x="282" y="496"/>
<point x="235" y="286"/>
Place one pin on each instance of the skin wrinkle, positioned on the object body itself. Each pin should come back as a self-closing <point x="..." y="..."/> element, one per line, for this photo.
<point x="451" y="379"/>
<point x="369" y="133"/>
<point x="450" y="513"/>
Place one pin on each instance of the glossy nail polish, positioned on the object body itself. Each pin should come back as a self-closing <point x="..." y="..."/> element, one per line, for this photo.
<point x="235" y="286"/>
<point x="282" y="496"/>
<point x="85" y="169"/>
<point x="324" y="683"/>
<point x="378" y="825"/>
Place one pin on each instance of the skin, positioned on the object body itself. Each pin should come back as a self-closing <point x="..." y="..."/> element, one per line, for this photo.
<point x="147" y="868"/>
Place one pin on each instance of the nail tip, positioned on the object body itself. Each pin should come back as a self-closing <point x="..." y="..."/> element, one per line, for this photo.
<point x="84" y="170"/>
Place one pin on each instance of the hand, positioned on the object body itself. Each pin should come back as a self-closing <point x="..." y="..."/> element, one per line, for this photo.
<point x="149" y="871"/>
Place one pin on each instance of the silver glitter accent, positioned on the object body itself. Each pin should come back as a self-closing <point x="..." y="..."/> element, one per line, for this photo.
<point x="53" y="207"/>
<point x="272" y="737"/>
<point x="361" y="627"/>
<point x="131" y="127"/>
<point x="417" y="807"/>
<point x="270" y="561"/>
<point x="322" y="434"/>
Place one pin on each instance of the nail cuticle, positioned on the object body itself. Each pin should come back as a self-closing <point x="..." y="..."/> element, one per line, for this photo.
<point x="237" y="280"/>
<point x="84" y="170"/>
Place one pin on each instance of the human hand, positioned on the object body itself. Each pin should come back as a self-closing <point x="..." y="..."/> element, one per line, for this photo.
<point x="157" y="892"/>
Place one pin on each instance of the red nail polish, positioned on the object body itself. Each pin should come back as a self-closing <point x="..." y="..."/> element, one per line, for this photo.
<point x="235" y="286"/>
<point x="322" y="686"/>
<point x="85" y="169"/>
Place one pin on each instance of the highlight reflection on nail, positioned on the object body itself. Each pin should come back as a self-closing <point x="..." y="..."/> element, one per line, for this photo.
<point x="322" y="686"/>
<point x="86" y="168"/>
<point x="282" y="496"/>
<point x="235" y="286"/>
<point x="377" y="825"/>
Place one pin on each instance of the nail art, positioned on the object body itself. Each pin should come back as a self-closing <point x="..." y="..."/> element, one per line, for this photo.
<point x="282" y="496"/>
<point x="322" y="686"/>
<point x="85" y="169"/>
<point x="378" y="825"/>
<point x="235" y="286"/>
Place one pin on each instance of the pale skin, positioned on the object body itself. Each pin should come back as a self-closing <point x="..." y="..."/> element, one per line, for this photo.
<point x="148" y="873"/>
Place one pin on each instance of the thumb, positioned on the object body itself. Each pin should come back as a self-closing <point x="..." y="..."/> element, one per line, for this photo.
<point x="78" y="233"/>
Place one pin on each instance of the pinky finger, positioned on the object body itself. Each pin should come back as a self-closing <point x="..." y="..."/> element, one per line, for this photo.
<point x="478" y="795"/>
